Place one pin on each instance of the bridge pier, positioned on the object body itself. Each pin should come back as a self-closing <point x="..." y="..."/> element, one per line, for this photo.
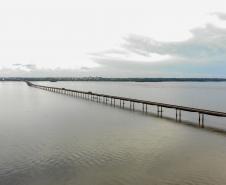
<point x="178" y="115"/>
<point x="159" y="110"/>
<point x="201" y="120"/>
<point x="97" y="99"/>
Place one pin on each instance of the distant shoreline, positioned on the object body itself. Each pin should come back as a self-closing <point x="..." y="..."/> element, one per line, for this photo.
<point x="100" y="79"/>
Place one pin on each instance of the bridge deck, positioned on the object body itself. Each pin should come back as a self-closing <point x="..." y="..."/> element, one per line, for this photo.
<point x="171" y="106"/>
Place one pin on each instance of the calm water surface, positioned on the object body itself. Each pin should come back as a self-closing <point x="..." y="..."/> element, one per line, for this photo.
<point x="51" y="139"/>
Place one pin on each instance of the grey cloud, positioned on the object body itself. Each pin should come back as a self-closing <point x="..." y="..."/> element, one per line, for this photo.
<point x="204" y="54"/>
<point x="19" y="72"/>
<point x="27" y="66"/>
<point x="85" y="68"/>
<point x="146" y="69"/>
<point x="220" y="15"/>
<point x="128" y="65"/>
<point x="119" y="51"/>
<point x="206" y="44"/>
<point x="30" y="66"/>
<point x="17" y="64"/>
<point x="43" y="72"/>
<point x="121" y="68"/>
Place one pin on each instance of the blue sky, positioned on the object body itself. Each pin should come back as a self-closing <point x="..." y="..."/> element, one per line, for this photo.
<point x="142" y="38"/>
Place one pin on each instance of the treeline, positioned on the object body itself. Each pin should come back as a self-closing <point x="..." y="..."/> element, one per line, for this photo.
<point x="55" y="79"/>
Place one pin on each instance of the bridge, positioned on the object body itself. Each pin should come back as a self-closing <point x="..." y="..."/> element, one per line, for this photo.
<point x="120" y="101"/>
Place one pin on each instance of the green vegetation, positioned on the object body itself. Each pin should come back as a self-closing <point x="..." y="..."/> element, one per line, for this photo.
<point x="55" y="79"/>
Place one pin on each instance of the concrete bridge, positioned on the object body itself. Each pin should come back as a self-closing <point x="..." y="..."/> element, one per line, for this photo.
<point x="120" y="101"/>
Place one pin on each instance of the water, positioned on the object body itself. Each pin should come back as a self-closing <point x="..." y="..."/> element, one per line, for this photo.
<point x="52" y="139"/>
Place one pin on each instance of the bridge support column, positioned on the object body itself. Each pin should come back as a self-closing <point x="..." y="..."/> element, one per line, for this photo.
<point x="179" y="115"/>
<point x="159" y="109"/>
<point x="201" y="120"/>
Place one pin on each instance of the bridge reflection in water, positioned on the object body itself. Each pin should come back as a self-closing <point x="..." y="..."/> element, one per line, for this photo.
<point x="120" y="101"/>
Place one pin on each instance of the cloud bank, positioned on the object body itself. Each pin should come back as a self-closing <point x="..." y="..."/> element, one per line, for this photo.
<point x="202" y="55"/>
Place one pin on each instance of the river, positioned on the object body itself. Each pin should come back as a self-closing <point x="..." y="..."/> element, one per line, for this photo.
<point x="53" y="139"/>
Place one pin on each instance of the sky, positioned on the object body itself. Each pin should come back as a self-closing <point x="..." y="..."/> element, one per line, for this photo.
<point x="117" y="38"/>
